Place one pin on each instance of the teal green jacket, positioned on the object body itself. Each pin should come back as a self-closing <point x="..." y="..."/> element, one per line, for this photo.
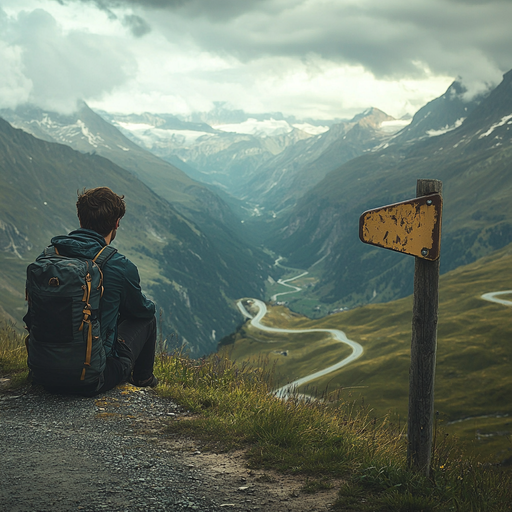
<point x="122" y="296"/>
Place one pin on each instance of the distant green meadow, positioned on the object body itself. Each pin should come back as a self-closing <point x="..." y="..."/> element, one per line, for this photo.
<point x="474" y="358"/>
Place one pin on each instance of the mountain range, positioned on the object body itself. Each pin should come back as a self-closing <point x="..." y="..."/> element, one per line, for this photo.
<point x="282" y="180"/>
<point x="256" y="159"/>
<point x="225" y="156"/>
<point x="87" y="132"/>
<point x="472" y="159"/>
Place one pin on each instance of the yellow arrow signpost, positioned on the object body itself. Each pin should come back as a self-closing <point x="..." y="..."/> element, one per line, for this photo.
<point x="414" y="227"/>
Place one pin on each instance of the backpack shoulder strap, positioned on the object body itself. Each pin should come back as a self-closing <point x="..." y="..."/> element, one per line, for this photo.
<point x="104" y="255"/>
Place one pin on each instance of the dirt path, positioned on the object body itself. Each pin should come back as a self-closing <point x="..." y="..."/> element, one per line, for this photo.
<point x="113" y="453"/>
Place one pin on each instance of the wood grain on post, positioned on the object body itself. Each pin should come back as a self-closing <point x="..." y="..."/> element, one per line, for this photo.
<point x="423" y="353"/>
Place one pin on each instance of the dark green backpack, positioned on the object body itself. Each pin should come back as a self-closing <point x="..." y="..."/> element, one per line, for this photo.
<point x="65" y="349"/>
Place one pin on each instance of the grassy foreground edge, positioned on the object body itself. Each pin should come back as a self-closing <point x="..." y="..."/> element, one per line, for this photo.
<point x="323" y="440"/>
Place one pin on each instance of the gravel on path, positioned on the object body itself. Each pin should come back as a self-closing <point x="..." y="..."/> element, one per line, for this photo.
<point x="112" y="453"/>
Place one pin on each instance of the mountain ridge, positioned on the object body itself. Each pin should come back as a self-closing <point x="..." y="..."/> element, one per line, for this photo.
<point x="87" y="132"/>
<point x="280" y="181"/>
<point x="473" y="167"/>
<point x="192" y="282"/>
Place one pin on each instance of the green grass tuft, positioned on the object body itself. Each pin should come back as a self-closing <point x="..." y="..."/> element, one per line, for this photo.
<point x="13" y="356"/>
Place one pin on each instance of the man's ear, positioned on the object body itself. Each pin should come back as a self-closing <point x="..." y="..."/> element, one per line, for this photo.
<point x="117" y="223"/>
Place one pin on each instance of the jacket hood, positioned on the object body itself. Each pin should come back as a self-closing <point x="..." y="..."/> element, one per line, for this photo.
<point x="83" y="243"/>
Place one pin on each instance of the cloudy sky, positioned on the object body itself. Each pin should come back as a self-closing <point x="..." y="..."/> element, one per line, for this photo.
<point x="309" y="58"/>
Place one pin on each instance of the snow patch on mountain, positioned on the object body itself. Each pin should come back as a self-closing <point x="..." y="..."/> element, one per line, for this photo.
<point x="395" y="125"/>
<point x="94" y="140"/>
<point x="311" y="129"/>
<point x="435" y="133"/>
<point x="133" y="127"/>
<point x="151" y="137"/>
<point x="252" y="126"/>
<point x="66" y="133"/>
<point x="504" y="120"/>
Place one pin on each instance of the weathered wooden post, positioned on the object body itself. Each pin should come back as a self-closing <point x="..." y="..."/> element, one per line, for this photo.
<point x="414" y="227"/>
<point x="423" y="352"/>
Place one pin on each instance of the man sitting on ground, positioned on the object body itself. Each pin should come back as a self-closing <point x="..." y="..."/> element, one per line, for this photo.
<point x="126" y="316"/>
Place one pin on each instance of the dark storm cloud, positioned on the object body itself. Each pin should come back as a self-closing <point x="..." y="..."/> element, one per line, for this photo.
<point x="138" y="26"/>
<point x="388" y="39"/>
<point x="212" y="9"/>
<point x="392" y="39"/>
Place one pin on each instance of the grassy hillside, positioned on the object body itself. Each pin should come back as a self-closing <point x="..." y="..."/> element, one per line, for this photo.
<point x="474" y="377"/>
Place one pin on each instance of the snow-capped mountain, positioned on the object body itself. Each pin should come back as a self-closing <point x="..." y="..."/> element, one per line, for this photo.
<point x="441" y="115"/>
<point x="280" y="181"/>
<point x="225" y="154"/>
<point x="473" y="162"/>
<point x="87" y="132"/>
<point x="257" y="157"/>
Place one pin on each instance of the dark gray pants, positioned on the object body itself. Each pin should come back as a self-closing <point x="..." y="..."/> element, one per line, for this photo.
<point x="136" y="349"/>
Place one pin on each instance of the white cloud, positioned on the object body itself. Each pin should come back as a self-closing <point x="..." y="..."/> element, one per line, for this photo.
<point x="53" y="67"/>
<point x="15" y="87"/>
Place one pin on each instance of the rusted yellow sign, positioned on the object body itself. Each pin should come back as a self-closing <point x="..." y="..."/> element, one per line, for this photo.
<point x="412" y="227"/>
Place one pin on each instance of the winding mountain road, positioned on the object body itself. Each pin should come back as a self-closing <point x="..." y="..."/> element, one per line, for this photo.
<point x="492" y="297"/>
<point x="357" y="349"/>
<point x="338" y="335"/>
<point x="285" y="282"/>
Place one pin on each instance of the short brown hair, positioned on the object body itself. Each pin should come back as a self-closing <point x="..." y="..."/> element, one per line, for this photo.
<point x="99" y="209"/>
